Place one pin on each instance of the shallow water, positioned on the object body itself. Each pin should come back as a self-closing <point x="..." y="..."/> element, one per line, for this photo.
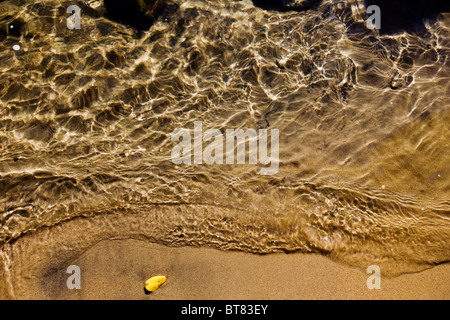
<point x="86" y="118"/>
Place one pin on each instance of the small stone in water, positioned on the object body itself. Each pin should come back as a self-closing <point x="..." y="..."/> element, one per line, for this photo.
<point x="16" y="47"/>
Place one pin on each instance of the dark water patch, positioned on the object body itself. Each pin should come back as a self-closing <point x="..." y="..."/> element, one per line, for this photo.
<point x="407" y="15"/>
<point x="16" y="28"/>
<point x="287" y="5"/>
<point x="139" y="14"/>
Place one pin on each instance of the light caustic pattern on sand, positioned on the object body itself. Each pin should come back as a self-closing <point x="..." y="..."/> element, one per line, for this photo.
<point x="86" y="117"/>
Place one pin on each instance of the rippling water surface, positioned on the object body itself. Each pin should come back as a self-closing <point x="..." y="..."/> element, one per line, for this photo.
<point x="86" y="118"/>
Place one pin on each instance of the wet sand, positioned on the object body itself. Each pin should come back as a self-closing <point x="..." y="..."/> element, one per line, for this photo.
<point x="117" y="269"/>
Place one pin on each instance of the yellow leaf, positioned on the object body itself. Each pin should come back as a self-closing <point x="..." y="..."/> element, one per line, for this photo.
<point x="153" y="283"/>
